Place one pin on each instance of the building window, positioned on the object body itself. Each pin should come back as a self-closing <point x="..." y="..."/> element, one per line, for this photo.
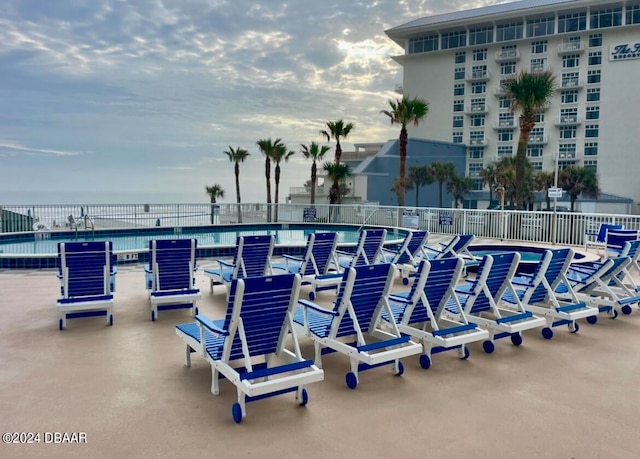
<point x="536" y="134"/>
<point x="534" y="151"/>
<point x="506" y="32"/>
<point x="505" y="135"/>
<point x="538" y="64"/>
<point x="633" y="14"/>
<point x="536" y="165"/>
<point x="458" y="89"/>
<point x="458" y="121"/>
<point x="570" y="79"/>
<point x="474" y="169"/>
<point x="481" y="35"/>
<point x="476" y="152"/>
<point x="568" y="132"/>
<point x="476" y="137"/>
<point x="569" y="97"/>
<point x="507" y="68"/>
<point x="540" y="27"/>
<point x="593" y="113"/>
<point x="456" y="39"/>
<point x="568" y="115"/>
<point x="591" y="148"/>
<point x="606" y="17"/>
<point x="538" y="117"/>
<point x="423" y="44"/>
<point x="505" y="150"/>
<point x="458" y="105"/>
<point x="595" y="40"/>
<point x="591" y="130"/>
<point x="539" y="47"/>
<point x="591" y="164"/>
<point x="595" y="58"/>
<point x="479" y="88"/>
<point x="570" y="61"/>
<point x="593" y="76"/>
<point x="458" y="73"/>
<point x="567" y="150"/>
<point x="572" y="22"/>
<point x="505" y="119"/>
<point x="478" y="105"/>
<point x="480" y="54"/>
<point x="505" y="102"/>
<point x="477" y="120"/>
<point x="457" y="137"/>
<point x="593" y="94"/>
<point x="461" y="57"/>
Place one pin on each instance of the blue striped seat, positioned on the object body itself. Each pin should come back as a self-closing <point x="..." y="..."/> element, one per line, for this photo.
<point x="171" y="271"/>
<point x="409" y="254"/>
<point x="85" y="271"/>
<point x="353" y="321"/>
<point x="256" y="325"/>
<point x="368" y="249"/>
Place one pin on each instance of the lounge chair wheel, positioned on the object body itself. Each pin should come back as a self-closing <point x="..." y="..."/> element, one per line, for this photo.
<point x="153" y="316"/>
<point x="574" y="327"/>
<point x="352" y="380"/>
<point x="626" y="309"/>
<point x="111" y="320"/>
<point x="196" y="311"/>
<point x="400" y="369"/>
<point x="425" y="361"/>
<point x="613" y="314"/>
<point x="61" y="324"/>
<point x="405" y="281"/>
<point x="304" y="397"/>
<point x="516" y="339"/>
<point x="547" y="333"/>
<point x="488" y="346"/>
<point x="464" y="355"/>
<point x="236" y="412"/>
<point x="312" y="296"/>
<point x="592" y="319"/>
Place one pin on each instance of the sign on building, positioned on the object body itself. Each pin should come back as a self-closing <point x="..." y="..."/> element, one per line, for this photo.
<point x="554" y="192"/>
<point x="624" y="51"/>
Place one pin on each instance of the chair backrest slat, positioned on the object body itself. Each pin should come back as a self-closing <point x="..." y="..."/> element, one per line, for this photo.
<point x="256" y="255"/>
<point x="319" y="253"/>
<point x="172" y="263"/>
<point x="85" y="267"/>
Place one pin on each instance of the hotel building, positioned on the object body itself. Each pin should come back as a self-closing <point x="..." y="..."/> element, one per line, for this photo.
<point x="459" y="61"/>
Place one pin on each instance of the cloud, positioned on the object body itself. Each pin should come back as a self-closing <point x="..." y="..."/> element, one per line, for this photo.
<point x="12" y="148"/>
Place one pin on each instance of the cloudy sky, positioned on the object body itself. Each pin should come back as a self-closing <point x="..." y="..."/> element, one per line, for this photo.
<point x="143" y="96"/>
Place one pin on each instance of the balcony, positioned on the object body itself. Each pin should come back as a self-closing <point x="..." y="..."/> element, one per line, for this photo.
<point x="568" y="156"/>
<point x="571" y="47"/>
<point x="476" y="109"/>
<point x="536" y="68"/>
<point x="478" y="75"/>
<point x="538" y="140"/>
<point x="504" y="124"/>
<point x="570" y="84"/>
<point x="475" y="142"/>
<point x="508" y="55"/>
<point x="568" y="120"/>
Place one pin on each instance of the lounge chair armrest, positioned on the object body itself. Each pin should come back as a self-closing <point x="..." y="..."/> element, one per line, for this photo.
<point x="317" y="308"/>
<point x="211" y="325"/>
<point x="226" y="263"/>
<point x="342" y="252"/>
<point x="399" y="299"/>
<point x="523" y="280"/>
<point x="294" y="258"/>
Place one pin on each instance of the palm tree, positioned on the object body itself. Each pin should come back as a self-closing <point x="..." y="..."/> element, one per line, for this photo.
<point x="419" y="176"/>
<point x="404" y="111"/>
<point x="316" y="153"/>
<point x="458" y="186"/>
<point x="337" y="173"/>
<point x="395" y="185"/>
<point x="280" y="153"/>
<point x="337" y="129"/>
<point x="543" y="181"/>
<point x="215" y="192"/>
<point x="237" y="156"/>
<point x="267" y="147"/>
<point x="488" y="175"/>
<point x="441" y="173"/>
<point x="506" y="177"/>
<point x="579" y="180"/>
<point x="529" y="93"/>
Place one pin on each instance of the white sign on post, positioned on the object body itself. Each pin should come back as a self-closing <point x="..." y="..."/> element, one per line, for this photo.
<point x="555" y="192"/>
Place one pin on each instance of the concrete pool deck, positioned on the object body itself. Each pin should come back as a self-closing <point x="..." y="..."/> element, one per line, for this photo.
<point x="126" y="387"/>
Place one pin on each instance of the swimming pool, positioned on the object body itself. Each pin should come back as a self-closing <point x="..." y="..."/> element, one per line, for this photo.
<point x="39" y="249"/>
<point x="530" y="255"/>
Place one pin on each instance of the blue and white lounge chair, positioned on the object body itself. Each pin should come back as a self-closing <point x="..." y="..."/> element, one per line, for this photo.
<point x="85" y="269"/>
<point x="353" y="321"/>
<point x="368" y="250"/>
<point x="616" y="240"/>
<point x="458" y="246"/>
<point x="314" y="265"/>
<point x="421" y="314"/>
<point x="481" y="300"/>
<point x="171" y="271"/>
<point x="537" y="293"/>
<point x="243" y="346"/>
<point x="631" y="249"/>
<point x="599" y="240"/>
<point x="594" y="286"/>
<point x="407" y="257"/>
<point x="252" y="258"/>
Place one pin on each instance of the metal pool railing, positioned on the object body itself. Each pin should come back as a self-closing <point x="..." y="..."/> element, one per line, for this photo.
<point x="534" y="226"/>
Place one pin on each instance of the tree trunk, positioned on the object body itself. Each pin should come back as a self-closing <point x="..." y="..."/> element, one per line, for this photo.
<point x="417" y="195"/>
<point x="237" y="170"/>
<point x="338" y="151"/>
<point x="403" y="163"/>
<point x="526" y="125"/>
<point x="267" y="174"/>
<point x="490" y="195"/>
<point x="277" y="190"/>
<point x="440" y="193"/>
<point x="314" y="179"/>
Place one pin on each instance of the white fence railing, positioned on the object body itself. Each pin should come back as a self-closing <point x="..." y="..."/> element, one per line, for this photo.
<point x="532" y="226"/>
